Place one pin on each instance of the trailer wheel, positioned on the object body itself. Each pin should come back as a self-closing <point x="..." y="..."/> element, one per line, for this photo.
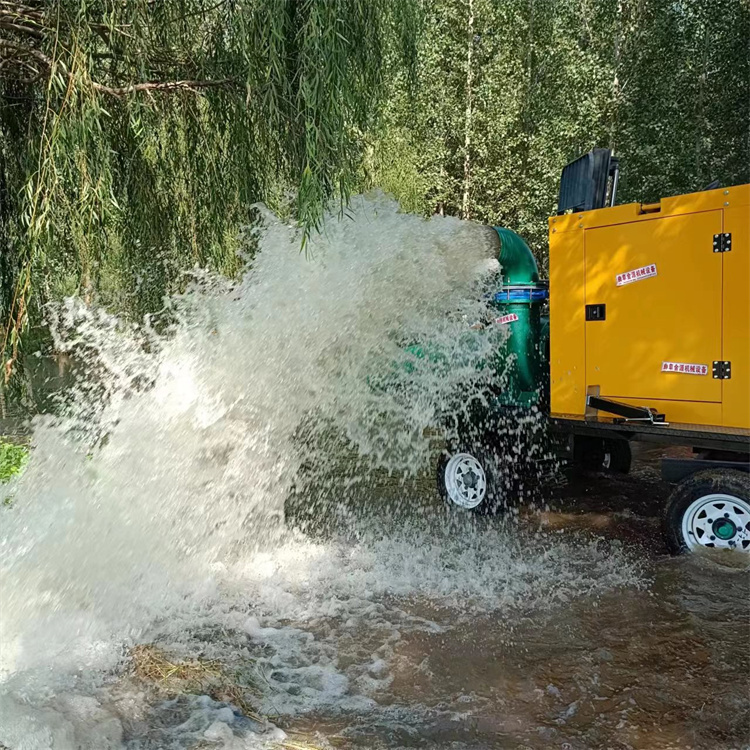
<point x="617" y="456"/>
<point x="709" y="509"/>
<point x="597" y="454"/>
<point x="469" y="477"/>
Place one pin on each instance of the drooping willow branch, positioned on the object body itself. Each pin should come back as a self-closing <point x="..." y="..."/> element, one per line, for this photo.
<point x="21" y="53"/>
<point x="129" y="152"/>
<point x="165" y="86"/>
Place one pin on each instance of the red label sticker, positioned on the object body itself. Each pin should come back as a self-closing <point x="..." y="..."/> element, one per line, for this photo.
<point x="639" y="273"/>
<point x="684" y="368"/>
<point x="505" y="319"/>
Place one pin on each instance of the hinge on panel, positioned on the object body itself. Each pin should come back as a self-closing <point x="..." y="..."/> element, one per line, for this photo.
<point x="722" y="370"/>
<point x="723" y="242"/>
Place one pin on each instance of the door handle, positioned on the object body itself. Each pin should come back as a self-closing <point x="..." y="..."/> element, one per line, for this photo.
<point x="596" y="312"/>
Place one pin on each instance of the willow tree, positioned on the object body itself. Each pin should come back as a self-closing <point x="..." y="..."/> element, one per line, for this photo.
<point x="135" y="135"/>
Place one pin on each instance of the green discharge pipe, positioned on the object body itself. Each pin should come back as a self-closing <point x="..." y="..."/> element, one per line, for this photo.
<point x="521" y="358"/>
<point x="517" y="262"/>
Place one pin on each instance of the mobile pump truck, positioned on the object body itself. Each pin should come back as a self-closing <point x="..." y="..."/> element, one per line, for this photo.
<point x="642" y="334"/>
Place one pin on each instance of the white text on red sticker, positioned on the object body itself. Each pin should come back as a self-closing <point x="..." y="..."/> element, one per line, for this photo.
<point x="639" y="273"/>
<point x="505" y="319"/>
<point x="684" y="368"/>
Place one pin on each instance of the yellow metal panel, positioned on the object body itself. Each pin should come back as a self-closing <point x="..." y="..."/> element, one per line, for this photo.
<point x="696" y="310"/>
<point x="737" y="315"/>
<point x="707" y="200"/>
<point x="682" y="412"/>
<point x="567" y="353"/>
<point x="599" y="217"/>
<point x="674" y="316"/>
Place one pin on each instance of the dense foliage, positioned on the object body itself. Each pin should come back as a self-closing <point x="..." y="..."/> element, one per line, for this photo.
<point x="509" y="92"/>
<point x="13" y="458"/>
<point x="136" y="135"/>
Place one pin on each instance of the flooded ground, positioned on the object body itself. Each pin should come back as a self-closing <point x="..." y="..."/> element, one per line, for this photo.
<point x="409" y="627"/>
<point x="660" y="663"/>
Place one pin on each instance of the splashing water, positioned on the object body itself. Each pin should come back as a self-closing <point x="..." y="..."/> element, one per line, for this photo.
<point x="153" y="506"/>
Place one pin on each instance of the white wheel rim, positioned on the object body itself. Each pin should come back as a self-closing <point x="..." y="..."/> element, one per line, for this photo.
<point x="719" y="521"/>
<point x="465" y="481"/>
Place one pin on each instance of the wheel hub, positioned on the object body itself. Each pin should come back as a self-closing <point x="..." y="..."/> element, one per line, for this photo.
<point x="719" y="521"/>
<point x="470" y="479"/>
<point x="465" y="481"/>
<point x="724" y="528"/>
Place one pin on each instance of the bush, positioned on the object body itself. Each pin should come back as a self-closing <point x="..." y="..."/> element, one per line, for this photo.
<point x="13" y="458"/>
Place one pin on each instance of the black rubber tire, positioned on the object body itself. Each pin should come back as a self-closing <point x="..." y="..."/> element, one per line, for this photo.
<point x="488" y="455"/>
<point x="729" y="481"/>
<point x="620" y="456"/>
<point x="590" y="454"/>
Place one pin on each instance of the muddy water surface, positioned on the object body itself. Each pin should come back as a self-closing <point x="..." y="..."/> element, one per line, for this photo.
<point x="662" y="663"/>
<point x="398" y="625"/>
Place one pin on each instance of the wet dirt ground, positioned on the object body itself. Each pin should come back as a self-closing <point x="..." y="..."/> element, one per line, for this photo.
<point x="398" y="624"/>
<point x="663" y="664"/>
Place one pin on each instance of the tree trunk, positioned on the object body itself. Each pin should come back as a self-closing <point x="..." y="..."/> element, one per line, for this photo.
<point x="465" y="204"/>
<point x="619" y="42"/>
<point x="700" y="119"/>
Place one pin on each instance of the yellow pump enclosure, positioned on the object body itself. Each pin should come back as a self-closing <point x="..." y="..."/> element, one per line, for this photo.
<point x="666" y="290"/>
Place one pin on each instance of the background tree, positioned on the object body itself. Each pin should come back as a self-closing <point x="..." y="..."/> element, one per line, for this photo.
<point x="666" y="85"/>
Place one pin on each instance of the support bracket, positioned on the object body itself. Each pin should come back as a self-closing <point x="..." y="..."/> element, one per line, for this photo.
<point x="626" y="412"/>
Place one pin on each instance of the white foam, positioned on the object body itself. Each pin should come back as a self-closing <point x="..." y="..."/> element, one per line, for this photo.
<point x="152" y="507"/>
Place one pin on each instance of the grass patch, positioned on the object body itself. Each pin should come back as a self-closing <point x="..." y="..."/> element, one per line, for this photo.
<point x="13" y="459"/>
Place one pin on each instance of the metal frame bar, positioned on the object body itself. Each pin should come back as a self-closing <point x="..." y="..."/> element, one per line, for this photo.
<point x="677" y="469"/>
<point x="734" y="441"/>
